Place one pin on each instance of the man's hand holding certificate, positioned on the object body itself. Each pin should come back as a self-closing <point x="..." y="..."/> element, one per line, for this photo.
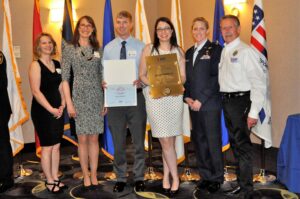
<point x="119" y="76"/>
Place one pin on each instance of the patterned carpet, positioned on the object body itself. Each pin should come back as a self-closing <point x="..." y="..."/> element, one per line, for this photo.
<point x="33" y="186"/>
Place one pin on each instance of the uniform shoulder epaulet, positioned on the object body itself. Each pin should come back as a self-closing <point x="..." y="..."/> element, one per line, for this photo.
<point x="215" y="43"/>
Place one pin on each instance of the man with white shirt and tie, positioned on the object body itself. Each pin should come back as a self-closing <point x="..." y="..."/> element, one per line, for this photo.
<point x="243" y="86"/>
<point x="133" y="117"/>
<point x="204" y="100"/>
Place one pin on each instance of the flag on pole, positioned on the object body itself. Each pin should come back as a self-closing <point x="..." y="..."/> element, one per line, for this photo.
<point x="141" y="24"/>
<point x="67" y="35"/>
<point x="36" y="30"/>
<point x="176" y="20"/>
<point x="68" y="26"/>
<point x="180" y="140"/>
<point x="37" y="26"/>
<point x="259" y="44"/>
<point x="217" y="37"/>
<point x="142" y="33"/>
<point x="18" y="106"/>
<point x="108" y="35"/>
<point x="219" y="13"/>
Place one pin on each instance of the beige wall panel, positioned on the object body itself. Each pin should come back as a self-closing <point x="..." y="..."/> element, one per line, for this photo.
<point x="282" y="23"/>
<point x="283" y="30"/>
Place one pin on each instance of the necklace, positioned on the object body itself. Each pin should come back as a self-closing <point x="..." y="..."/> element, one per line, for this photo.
<point x="88" y="58"/>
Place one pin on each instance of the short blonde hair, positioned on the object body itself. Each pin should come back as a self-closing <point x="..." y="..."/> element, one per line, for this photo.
<point x="124" y="14"/>
<point x="201" y="19"/>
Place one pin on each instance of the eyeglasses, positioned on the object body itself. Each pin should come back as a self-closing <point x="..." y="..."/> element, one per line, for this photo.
<point x="85" y="26"/>
<point x="163" y="29"/>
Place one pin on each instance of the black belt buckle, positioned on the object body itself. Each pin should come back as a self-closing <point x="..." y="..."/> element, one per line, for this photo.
<point x="235" y="94"/>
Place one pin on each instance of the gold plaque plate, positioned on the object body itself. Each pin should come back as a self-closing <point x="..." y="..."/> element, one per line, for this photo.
<point x="164" y="76"/>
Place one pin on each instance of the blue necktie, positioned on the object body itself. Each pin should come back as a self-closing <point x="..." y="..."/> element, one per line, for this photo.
<point x="123" y="50"/>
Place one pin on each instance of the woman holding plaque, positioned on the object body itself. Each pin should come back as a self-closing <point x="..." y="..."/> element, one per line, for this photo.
<point x="86" y="103"/>
<point x="47" y="107"/>
<point x="165" y="114"/>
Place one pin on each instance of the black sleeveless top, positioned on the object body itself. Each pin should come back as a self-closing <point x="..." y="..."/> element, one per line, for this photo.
<point x="48" y="128"/>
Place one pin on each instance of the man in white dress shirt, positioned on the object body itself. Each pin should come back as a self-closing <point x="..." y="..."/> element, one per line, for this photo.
<point x="243" y="88"/>
<point x="134" y="117"/>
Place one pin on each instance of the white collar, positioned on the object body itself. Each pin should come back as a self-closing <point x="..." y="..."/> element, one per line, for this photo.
<point x="198" y="47"/>
<point x="121" y="40"/>
<point x="233" y="44"/>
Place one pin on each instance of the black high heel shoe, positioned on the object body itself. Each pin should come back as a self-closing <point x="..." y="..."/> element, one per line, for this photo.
<point x="58" y="182"/>
<point x="53" y="188"/>
<point x="94" y="186"/>
<point x="166" y="190"/>
<point x="173" y="193"/>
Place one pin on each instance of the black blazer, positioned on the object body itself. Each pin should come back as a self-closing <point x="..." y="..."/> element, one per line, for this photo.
<point x="5" y="109"/>
<point x="202" y="76"/>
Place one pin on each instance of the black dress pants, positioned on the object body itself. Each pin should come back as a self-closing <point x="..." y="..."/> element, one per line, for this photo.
<point x="236" y="111"/>
<point x="6" y="156"/>
<point x="207" y="139"/>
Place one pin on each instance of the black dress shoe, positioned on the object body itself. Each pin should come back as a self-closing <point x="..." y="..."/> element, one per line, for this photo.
<point x="4" y="186"/>
<point x="173" y="193"/>
<point x="203" y="184"/>
<point x="234" y="191"/>
<point x="213" y="187"/>
<point x="166" y="190"/>
<point x="93" y="187"/>
<point x="139" y="186"/>
<point x="86" y="188"/>
<point x="119" y="186"/>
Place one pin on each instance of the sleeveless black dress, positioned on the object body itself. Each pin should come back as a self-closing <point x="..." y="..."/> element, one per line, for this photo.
<point x="49" y="129"/>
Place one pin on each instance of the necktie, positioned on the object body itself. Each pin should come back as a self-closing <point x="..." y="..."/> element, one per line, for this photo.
<point x="195" y="55"/>
<point x="123" y="50"/>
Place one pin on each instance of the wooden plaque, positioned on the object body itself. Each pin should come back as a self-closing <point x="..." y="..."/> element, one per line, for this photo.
<point x="164" y="75"/>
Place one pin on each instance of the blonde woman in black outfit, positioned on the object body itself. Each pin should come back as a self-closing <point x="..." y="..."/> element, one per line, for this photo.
<point x="47" y="108"/>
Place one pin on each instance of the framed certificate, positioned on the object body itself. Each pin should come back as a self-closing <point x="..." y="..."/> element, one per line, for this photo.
<point x="119" y="76"/>
<point x="164" y="75"/>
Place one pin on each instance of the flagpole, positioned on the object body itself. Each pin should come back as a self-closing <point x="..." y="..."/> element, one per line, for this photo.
<point x="150" y="173"/>
<point x="142" y="33"/>
<point x="36" y="30"/>
<point x="19" y="110"/>
<point x="187" y="175"/>
<point x="263" y="128"/>
<point x="261" y="178"/>
<point x="217" y="37"/>
<point x="181" y="142"/>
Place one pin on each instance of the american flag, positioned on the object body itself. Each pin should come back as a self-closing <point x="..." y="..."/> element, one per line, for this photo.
<point x="263" y="129"/>
<point x="258" y="36"/>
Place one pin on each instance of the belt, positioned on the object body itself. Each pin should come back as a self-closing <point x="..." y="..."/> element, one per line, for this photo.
<point x="138" y="90"/>
<point x="227" y="95"/>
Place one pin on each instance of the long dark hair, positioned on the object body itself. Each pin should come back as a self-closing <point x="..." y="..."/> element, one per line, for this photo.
<point x="93" y="38"/>
<point x="173" y="39"/>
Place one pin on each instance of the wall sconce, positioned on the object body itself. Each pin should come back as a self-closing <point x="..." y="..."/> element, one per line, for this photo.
<point x="57" y="14"/>
<point x="236" y="6"/>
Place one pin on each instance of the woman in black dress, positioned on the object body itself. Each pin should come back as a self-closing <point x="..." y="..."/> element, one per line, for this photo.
<point x="47" y="107"/>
